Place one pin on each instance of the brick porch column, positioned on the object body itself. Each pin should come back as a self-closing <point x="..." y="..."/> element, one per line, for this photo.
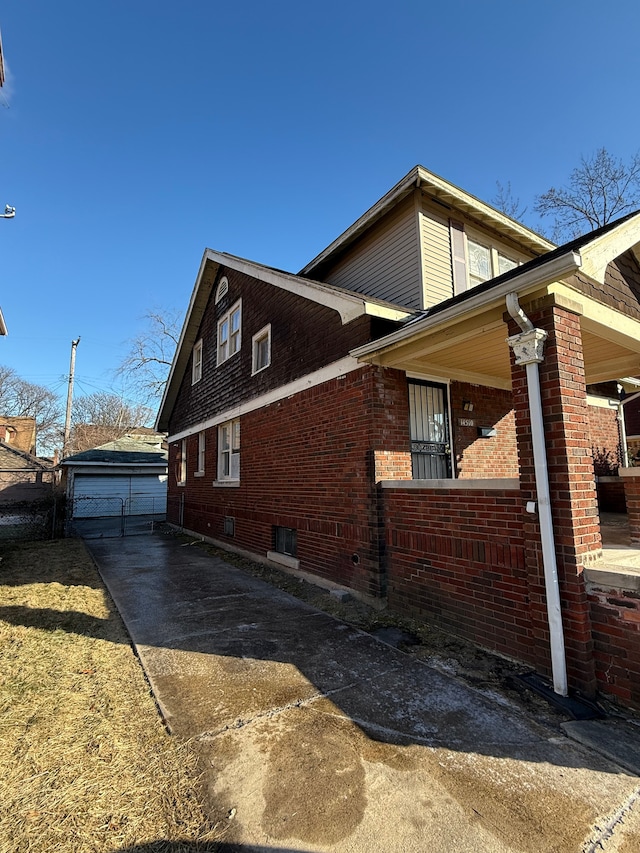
<point x="631" y="479"/>
<point x="571" y="484"/>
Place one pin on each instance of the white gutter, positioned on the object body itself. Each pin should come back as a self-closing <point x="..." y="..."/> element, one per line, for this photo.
<point x="536" y="277"/>
<point x="528" y="349"/>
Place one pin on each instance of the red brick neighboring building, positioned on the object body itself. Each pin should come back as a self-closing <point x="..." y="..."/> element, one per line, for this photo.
<point x="375" y="430"/>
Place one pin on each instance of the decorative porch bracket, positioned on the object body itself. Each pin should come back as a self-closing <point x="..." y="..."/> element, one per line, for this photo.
<point x="528" y="347"/>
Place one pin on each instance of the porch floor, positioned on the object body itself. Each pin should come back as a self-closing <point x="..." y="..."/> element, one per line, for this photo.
<point x="617" y="552"/>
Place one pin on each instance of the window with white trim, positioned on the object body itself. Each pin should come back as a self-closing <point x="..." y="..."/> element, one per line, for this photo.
<point x="181" y="463"/>
<point x="229" y="333"/>
<point x="201" y="454"/>
<point x="261" y="350"/>
<point x="229" y="450"/>
<point x="486" y="262"/>
<point x="196" y="363"/>
<point x="476" y="258"/>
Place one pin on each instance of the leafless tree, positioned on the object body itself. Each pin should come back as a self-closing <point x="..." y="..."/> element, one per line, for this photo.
<point x="505" y="201"/>
<point x="146" y="366"/>
<point x="600" y="189"/>
<point x="22" y="399"/>
<point x="102" y="417"/>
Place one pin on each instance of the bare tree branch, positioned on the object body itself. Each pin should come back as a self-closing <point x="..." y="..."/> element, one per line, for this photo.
<point x="600" y="189"/>
<point x="102" y="417"/>
<point x="146" y="365"/>
<point x="22" y="399"/>
<point x="505" y="201"/>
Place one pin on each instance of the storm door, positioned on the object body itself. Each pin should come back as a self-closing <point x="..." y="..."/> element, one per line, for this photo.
<point x="429" y="421"/>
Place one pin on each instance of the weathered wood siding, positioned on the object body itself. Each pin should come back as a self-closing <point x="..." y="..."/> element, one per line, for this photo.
<point x="386" y="262"/>
<point x="305" y="337"/>
<point x="436" y="257"/>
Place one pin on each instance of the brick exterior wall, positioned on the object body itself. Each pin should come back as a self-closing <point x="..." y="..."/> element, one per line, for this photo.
<point x="307" y="463"/>
<point x="25" y="486"/>
<point x="457" y="557"/>
<point x="469" y="559"/>
<point x="615" y="617"/>
<point x="479" y="458"/>
<point x="605" y="440"/>
<point x="305" y="336"/>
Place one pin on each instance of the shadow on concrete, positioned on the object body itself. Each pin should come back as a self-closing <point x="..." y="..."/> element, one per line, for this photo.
<point x="113" y="527"/>
<point x="222" y="648"/>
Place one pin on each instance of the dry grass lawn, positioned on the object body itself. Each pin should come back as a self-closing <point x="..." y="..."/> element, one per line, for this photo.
<point x="85" y="762"/>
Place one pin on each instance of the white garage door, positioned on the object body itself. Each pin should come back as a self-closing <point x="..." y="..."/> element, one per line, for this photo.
<point x="96" y="496"/>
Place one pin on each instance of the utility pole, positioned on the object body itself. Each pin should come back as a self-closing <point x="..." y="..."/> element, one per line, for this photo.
<point x="67" y="420"/>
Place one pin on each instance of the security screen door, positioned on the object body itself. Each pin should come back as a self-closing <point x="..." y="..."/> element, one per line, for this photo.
<point x="429" y="417"/>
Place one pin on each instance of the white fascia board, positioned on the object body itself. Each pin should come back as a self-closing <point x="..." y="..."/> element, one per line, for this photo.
<point x="183" y="349"/>
<point x="311" y="380"/>
<point x="468" y="203"/>
<point x="420" y="177"/>
<point x="143" y="466"/>
<point x="597" y="254"/>
<point x="544" y="274"/>
<point x="348" y="306"/>
<point x="388" y="200"/>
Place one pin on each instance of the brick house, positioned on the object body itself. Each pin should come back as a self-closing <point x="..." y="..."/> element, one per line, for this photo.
<point x="412" y="417"/>
<point x="24" y="478"/>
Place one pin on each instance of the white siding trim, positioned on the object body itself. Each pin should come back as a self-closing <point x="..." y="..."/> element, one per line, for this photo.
<point x="347" y="305"/>
<point x="311" y="380"/>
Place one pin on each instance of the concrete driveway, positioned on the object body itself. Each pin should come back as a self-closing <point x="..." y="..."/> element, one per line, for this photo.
<point x="317" y="737"/>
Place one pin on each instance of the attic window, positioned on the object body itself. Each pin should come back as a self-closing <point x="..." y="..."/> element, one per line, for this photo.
<point x="229" y="333"/>
<point x="223" y="288"/>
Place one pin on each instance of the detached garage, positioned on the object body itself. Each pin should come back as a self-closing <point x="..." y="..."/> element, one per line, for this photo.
<point x="123" y="477"/>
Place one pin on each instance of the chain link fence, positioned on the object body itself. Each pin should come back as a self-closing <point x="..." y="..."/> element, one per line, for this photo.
<point x="107" y="517"/>
<point x="30" y="520"/>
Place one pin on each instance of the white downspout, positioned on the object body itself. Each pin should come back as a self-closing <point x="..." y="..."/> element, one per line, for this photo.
<point x="528" y="348"/>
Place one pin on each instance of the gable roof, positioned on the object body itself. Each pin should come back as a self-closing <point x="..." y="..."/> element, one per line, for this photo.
<point x="122" y="451"/>
<point x="13" y="459"/>
<point x="444" y="193"/>
<point x="348" y="304"/>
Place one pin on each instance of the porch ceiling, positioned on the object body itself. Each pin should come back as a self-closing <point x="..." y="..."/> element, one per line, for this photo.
<point x="474" y="348"/>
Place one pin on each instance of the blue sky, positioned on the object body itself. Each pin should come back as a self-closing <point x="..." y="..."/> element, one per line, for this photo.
<point x="135" y="133"/>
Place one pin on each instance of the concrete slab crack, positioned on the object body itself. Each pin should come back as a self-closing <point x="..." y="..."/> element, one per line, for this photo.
<point x="604" y="833"/>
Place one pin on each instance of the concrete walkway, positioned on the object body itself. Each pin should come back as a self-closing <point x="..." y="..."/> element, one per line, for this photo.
<point x="317" y="737"/>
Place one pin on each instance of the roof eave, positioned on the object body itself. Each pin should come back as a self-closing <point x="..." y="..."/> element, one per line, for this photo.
<point x="443" y="191"/>
<point x="348" y="305"/>
<point x="557" y="268"/>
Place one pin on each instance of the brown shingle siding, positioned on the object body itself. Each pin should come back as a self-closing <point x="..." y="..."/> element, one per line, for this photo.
<point x="621" y="288"/>
<point x="305" y="336"/>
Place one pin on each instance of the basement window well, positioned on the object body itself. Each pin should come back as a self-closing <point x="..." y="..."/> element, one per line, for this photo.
<point x="285" y="547"/>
